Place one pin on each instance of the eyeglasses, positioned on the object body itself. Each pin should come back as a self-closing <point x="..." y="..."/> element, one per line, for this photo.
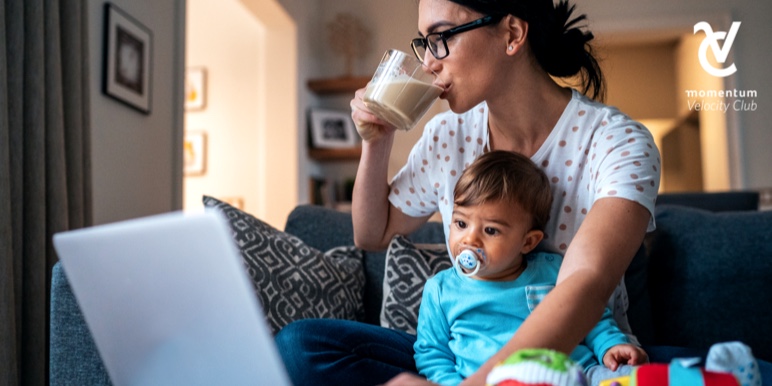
<point x="437" y="42"/>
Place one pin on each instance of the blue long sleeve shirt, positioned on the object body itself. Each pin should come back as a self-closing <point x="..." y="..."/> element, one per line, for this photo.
<point x="462" y="321"/>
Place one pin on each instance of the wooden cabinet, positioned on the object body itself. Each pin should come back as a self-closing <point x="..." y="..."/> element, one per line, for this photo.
<point x="346" y="154"/>
<point x="332" y="188"/>
<point x="330" y="86"/>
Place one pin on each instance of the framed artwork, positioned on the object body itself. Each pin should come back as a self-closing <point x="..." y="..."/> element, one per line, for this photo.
<point x="127" y="58"/>
<point x="332" y="129"/>
<point x="195" y="88"/>
<point x="194" y="154"/>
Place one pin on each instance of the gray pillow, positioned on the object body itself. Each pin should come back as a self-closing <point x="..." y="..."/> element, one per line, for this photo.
<point x="408" y="266"/>
<point x="292" y="280"/>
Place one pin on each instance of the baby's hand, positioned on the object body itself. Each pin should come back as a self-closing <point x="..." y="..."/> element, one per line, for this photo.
<point x="624" y="354"/>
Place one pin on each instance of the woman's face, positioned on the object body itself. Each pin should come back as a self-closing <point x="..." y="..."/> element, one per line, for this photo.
<point x="471" y="67"/>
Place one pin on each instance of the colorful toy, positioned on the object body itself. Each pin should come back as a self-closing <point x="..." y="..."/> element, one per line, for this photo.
<point x="621" y="381"/>
<point x="681" y="372"/>
<point x="728" y="364"/>
<point x="537" y="367"/>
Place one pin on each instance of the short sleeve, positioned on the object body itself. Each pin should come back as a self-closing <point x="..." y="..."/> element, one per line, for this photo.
<point x="449" y="144"/>
<point x="625" y="163"/>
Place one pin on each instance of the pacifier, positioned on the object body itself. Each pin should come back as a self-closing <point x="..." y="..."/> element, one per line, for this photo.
<point x="469" y="261"/>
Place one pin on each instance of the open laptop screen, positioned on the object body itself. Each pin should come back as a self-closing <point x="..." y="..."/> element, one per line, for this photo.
<point x="168" y="302"/>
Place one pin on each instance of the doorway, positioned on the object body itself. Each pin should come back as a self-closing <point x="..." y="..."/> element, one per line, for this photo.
<point x="648" y="73"/>
<point x="248" y="121"/>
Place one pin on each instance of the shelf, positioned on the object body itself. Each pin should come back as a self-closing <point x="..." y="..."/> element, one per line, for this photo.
<point x="345" y="154"/>
<point x="337" y="85"/>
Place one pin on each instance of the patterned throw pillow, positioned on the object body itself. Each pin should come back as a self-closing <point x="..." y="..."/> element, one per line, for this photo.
<point x="408" y="266"/>
<point x="292" y="280"/>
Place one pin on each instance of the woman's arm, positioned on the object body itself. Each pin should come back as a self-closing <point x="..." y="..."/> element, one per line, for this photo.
<point x="375" y="220"/>
<point x="593" y="266"/>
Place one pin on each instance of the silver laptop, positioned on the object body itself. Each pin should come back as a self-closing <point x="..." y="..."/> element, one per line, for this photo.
<point x="168" y="302"/>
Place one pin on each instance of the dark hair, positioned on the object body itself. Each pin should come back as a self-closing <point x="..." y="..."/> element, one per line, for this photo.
<point x="506" y="176"/>
<point x="561" y="47"/>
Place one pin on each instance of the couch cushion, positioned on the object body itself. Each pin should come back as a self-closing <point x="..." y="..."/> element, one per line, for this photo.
<point x="709" y="275"/>
<point x="293" y="280"/>
<point x="408" y="266"/>
<point x="324" y="228"/>
<point x="74" y="358"/>
<point x="320" y="227"/>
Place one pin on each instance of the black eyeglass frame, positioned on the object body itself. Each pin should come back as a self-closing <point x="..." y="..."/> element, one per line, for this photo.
<point x="423" y="42"/>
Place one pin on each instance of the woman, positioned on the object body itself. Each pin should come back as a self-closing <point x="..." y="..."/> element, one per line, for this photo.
<point x="497" y="59"/>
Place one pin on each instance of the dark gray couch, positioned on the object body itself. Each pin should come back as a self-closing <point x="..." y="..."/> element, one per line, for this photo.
<point x="704" y="277"/>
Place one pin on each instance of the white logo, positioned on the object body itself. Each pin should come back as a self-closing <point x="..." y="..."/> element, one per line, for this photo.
<point x="711" y="40"/>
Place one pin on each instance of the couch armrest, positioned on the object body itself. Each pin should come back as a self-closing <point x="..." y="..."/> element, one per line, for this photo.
<point x="74" y="359"/>
<point x="713" y="201"/>
<point x="320" y="227"/>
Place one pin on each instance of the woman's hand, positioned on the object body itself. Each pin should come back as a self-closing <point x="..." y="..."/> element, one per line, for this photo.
<point x="368" y="125"/>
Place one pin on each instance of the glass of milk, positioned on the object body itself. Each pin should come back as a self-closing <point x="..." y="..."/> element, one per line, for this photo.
<point x="402" y="90"/>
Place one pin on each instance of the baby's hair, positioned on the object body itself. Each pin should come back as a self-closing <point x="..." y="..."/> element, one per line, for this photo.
<point x="506" y="176"/>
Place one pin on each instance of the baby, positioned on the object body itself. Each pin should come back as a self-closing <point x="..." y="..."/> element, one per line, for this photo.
<point x="501" y="205"/>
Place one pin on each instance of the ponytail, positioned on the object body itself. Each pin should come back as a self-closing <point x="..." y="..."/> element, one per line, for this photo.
<point x="560" y="45"/>
<point x="562" y="48"/>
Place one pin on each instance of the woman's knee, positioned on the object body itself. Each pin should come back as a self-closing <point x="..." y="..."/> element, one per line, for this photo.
<point x="297" y="343"/>
<point x="297" y="336"/>
<point x="291" y="332"/>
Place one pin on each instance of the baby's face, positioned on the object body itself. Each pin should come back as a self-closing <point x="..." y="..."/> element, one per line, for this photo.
<point x="501" y="229"/>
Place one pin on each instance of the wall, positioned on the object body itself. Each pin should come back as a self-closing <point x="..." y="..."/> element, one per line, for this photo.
<point x="251" y="105"/>
<point x="641" y="78"/>
<point x="277" y="152"/>
<point x="713" y="124"/>
<point x="136" y="158"/>
<point x="304" y="14"/>
<point x="231" y="58"/>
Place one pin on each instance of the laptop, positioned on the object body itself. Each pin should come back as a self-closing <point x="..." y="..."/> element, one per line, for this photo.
<point x="168" y="302"/>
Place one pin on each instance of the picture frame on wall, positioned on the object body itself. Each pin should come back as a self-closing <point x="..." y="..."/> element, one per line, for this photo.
<point x="194" y="153"/>
<point x="195" y="89"/>
<point x="332" y="129"/>
<point x="127" y="57"/>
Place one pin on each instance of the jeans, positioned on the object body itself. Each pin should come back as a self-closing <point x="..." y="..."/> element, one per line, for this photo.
<point x="342" y="352"/>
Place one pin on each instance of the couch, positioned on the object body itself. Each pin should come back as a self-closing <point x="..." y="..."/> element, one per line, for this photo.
<point x="702" y="277"/>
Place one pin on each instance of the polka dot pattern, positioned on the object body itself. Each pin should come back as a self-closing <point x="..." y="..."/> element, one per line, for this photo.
<point x="617" y="162"/>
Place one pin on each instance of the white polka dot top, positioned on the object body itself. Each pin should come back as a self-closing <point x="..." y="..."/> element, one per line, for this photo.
<point x="593" y="152"/>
